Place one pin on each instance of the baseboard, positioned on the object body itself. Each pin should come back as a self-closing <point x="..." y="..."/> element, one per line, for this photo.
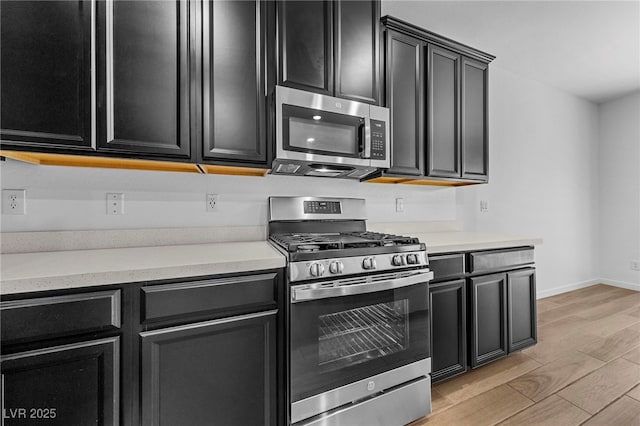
<point x="621" y="284"/>
<point x="566" y="288"/>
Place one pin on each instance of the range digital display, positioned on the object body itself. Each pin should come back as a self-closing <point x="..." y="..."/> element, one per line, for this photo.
<point x="322" y="207"/>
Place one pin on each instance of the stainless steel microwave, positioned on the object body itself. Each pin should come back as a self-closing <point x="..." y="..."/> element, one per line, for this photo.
<point x="319" y="135"/>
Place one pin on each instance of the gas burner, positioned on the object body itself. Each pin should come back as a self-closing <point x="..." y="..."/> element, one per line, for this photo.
<point x="308" y="248"/>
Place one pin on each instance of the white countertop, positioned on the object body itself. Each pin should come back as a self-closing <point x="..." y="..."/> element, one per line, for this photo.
<point x="54" y="270"/>
<point x="29" y="272"/>
<point x="442" y="242"/>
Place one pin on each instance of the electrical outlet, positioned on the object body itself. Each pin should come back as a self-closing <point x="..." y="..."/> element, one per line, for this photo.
<point x="484" y="206"/>
<point x="399" y="205"/>
<point x="212" y="202"/>
<point x="115" y="203"/>
<point x="635" y="265"/>
<point x="14" y="201"/>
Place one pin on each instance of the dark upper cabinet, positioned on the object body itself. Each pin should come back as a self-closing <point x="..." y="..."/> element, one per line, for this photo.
<point x="330" y="47"/>
<point x="474" y="129"/>
<point x="144" y="75"/>
<point x="306" y="45"/>
<point x="234" y="106"/>
<point x="451" y="118"/>
<point x="73" y="384"/>
<point x="448" y="306"/>
<point x="521" y="288"/>
<point x="221" y="371"/>
<point x="443" y="113"/>
<point x="356" y="54"/>
<point x="488" y="311"/>
<point x="45" y="92"/>
<point x="405" y="98"/>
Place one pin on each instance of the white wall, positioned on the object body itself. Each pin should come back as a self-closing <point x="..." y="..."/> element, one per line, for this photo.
<point x="73" y="198"/>
<point x="619" y="188"/>
<point x="543" y="178"/>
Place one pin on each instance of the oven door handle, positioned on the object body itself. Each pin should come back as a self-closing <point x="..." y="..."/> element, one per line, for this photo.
<point x="313" y="293"/>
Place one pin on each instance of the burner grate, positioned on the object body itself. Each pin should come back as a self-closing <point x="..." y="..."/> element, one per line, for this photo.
<point x="381" y="239"/>
<point x="306" y="242"/>
<point x="319" y="242"/>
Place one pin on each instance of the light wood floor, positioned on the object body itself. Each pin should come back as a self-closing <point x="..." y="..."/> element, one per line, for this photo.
<point x="585" y="369"/>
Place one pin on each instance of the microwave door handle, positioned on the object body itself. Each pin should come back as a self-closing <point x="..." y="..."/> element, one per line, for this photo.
<point x="308" y="294"/>
<point x="361" y="142"/>
<point x="366" y="153"/>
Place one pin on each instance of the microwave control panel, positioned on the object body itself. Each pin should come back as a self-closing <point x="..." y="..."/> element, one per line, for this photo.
<point x="378" y="140"/>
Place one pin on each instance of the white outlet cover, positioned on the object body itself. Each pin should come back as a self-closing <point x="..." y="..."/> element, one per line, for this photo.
<point x="212" y="202"/>
<point x="115" y="203"/>
<point x="14" y="201"/>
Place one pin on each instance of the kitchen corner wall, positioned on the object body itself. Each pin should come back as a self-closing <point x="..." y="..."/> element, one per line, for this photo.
<point x="543" y="178"/>
<point x="619" y="190"/>
<point x="73" y="198"/>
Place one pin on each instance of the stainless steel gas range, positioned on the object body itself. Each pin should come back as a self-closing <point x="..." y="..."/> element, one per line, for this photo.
<point x="357" y="318"/>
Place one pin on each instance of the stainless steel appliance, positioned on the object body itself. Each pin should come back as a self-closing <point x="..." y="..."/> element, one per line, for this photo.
<point x="358" y="315"/>
<point x="318" y="135"/>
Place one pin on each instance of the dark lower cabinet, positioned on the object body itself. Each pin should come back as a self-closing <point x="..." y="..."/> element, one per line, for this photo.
<point x="405" y="99"/>
<point x="144" y="75"/>
<point x="488" y="322"/>
<point x="73" y="384"/>
<point x="215" y="372"/>
<point x="448" y="305"/>
<point x="234" y="101"/>
<point x="45" y="68"/>
<point x="521" y="290"/>
<point x="476" y="319"/>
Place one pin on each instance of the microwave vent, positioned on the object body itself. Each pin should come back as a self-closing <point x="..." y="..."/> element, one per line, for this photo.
<point x="287" y="168"/>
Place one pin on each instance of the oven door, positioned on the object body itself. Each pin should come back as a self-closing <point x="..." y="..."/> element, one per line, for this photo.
<point x="342" y="335"/>
<point x="321" y="129"/>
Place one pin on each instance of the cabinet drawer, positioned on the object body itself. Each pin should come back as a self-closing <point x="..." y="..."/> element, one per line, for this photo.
<point x="207" y="297"/>
<point x="43" y="318"/>
<point x="500" y="259"/>
<point x="447" y="266"/>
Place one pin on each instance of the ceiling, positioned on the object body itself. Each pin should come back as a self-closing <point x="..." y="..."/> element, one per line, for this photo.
<point x="588" y="48"/>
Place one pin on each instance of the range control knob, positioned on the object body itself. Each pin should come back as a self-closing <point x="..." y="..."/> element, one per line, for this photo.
<point x="316" y="269"/>
<point x="397" y="260"/>
<point x="412" y="259"/>
<point x="369" y="263"/>
<point x="336" y="267"/>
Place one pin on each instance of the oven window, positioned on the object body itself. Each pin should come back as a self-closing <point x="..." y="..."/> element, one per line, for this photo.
<point x="357" y="335"/>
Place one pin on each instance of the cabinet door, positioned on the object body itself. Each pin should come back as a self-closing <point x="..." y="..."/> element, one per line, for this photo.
<point x="220" y="371"/>
<point x="405" y="98"/>
<point x="45" y="95"/>
<point x="488" y="320"/>
<point x="76" y="384"/>
<point x="522" y="309"/>
<point x="306" y="45"/>
<point x="143" y="77"/>
<point x="475" y="156"/>
<point x="443" y="112"/>
<point x="357" y="50"/>
<point x="448" y="306"/>
<point x="234" y="102"/>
